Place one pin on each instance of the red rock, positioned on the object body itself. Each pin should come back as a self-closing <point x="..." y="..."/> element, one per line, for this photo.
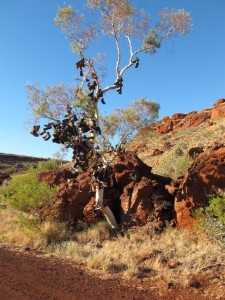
<point x="194" y="118"/>
<point x="55" y="177"/>
<point x="178" y="122"/>
<point x="140" y="148"/>
<point x="156" y="152"/>
<point x="205" y="177"/>
<point x="167" y="146"/>
<point x="172" y="190"/>
<point x="164" y="126"/>
<point x="135" y="196"/>
<point x="130" y="168"/>
<point x="90" y="214"/>
<point x="136" y="202"/>
<point x="145" y="201"/>
<point x="218" y="110"/>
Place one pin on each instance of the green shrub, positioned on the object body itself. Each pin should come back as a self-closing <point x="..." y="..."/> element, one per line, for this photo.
<point x="24" y="192"/>
<point x="28" y="221"/>
<point x="48" y="165"/>
<point x="213" y="218"/>
<point x="174" y="163"/>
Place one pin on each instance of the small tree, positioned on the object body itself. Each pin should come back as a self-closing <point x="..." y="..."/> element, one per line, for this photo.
<point x="82" y="126"/>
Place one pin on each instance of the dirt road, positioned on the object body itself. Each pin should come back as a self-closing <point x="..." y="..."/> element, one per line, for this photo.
<point x="27" y="275"/>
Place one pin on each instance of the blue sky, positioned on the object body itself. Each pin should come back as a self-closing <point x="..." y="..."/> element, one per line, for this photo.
<point x="183" y="76"/>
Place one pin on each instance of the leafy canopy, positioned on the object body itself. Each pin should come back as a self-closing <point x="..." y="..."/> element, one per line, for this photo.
<point x="125" y="122"/>
<point x="116" y="19"/>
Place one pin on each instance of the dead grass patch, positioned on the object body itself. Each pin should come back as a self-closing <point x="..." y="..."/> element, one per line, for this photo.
<point x="172" y="255"/>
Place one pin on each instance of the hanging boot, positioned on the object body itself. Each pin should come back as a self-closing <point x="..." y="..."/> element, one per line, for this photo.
<point x="136" y="62"/>
<point x="103" y="101"/>
<point x="99" y="93"/>
<point x="34" y="132"/>
<point x="47" y="136"/>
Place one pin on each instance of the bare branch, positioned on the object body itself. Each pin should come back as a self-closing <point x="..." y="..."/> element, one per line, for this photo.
<point x="118" y="53"/>
<point x="130" y="46"/>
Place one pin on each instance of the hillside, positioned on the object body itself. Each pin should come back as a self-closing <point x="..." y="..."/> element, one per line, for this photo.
<point x="170" y="145"/>
<point x="156" y="256"/>
<point x="12" y="163"/>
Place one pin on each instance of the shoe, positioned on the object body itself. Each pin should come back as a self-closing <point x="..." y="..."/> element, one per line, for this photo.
<point x="119" y="90"/>
<point x="57" y="125"/>
<point x="47" y="136"/>
<point x="68" y="109"/>
<point x="136" y="62"/>
<point x="56" y="140"/>
<point x="42" y="132"/>
<point x="48" y="126"/>
<point x="98" y="130"/>
<point x="74" y="118"/>
<point x="91" y="95"/>
<point x="36" y="127"/>
<point x="80" y="63"/>
<point x="94" y="76"/>
<point x="34" y="132"/>
<point x="103" y="101"/>
<point x="119" y="82"/>
<point x="99" y="94"/>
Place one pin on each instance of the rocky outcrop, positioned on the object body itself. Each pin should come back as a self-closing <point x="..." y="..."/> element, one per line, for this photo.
<point x="130" y="168"/>
<point x="135" y="194"/>
<point x="205" y="177"/>
<point x="218" y="110"/>
<point x="156" y="152"/>
<point x="146" y="201"/>
<point x="55" y="177"/>
<point x="180" y="121"/>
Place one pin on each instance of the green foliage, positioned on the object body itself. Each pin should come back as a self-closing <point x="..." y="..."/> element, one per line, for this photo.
<point x="125" y="122"/>
<point x="71" y="24"/>
<point x="51" y="102"/>
<point x="217" y="207"/>
<point x="151" y="42"/>
<point x="29" y="222"/>
<point x="174" y="163"/>
<point x="83" y="103"/>
<point x="50" y="164"/>
<point x="212" y="218"/>
<point x="179" y="152"/>
<point x="25" y="193"/>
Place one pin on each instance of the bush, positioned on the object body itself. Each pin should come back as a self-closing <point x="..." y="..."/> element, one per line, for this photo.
<point x="28" y="221"/>
<point x="174" y="163"/>
<point x="24" y="192"/>
<point x="48" y="165"/>
<point x="213" y="218"/>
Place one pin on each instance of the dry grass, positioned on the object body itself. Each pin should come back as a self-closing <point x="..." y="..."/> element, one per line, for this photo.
<point x="172" y="255"/>
<point x="11" y="232"/>
<point x="169" y="163"/>
<point x="31" y="234"/>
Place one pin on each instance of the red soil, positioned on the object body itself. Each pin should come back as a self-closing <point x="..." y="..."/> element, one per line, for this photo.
<point x="31" y="275"/>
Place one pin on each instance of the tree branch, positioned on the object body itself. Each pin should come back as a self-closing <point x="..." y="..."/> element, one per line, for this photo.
<point x="130" y="46"/>
<point x="118" y="52"/>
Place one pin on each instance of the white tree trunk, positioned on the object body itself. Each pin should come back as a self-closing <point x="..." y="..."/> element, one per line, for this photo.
<point x="99" y="193"/>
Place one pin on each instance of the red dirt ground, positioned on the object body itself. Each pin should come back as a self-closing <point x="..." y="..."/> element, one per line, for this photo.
<point x="31" y="275"/>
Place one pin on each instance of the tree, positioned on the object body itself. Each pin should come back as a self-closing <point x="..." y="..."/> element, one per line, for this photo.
<point x="124" y="123"/>
<point x="82" y="126"/>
